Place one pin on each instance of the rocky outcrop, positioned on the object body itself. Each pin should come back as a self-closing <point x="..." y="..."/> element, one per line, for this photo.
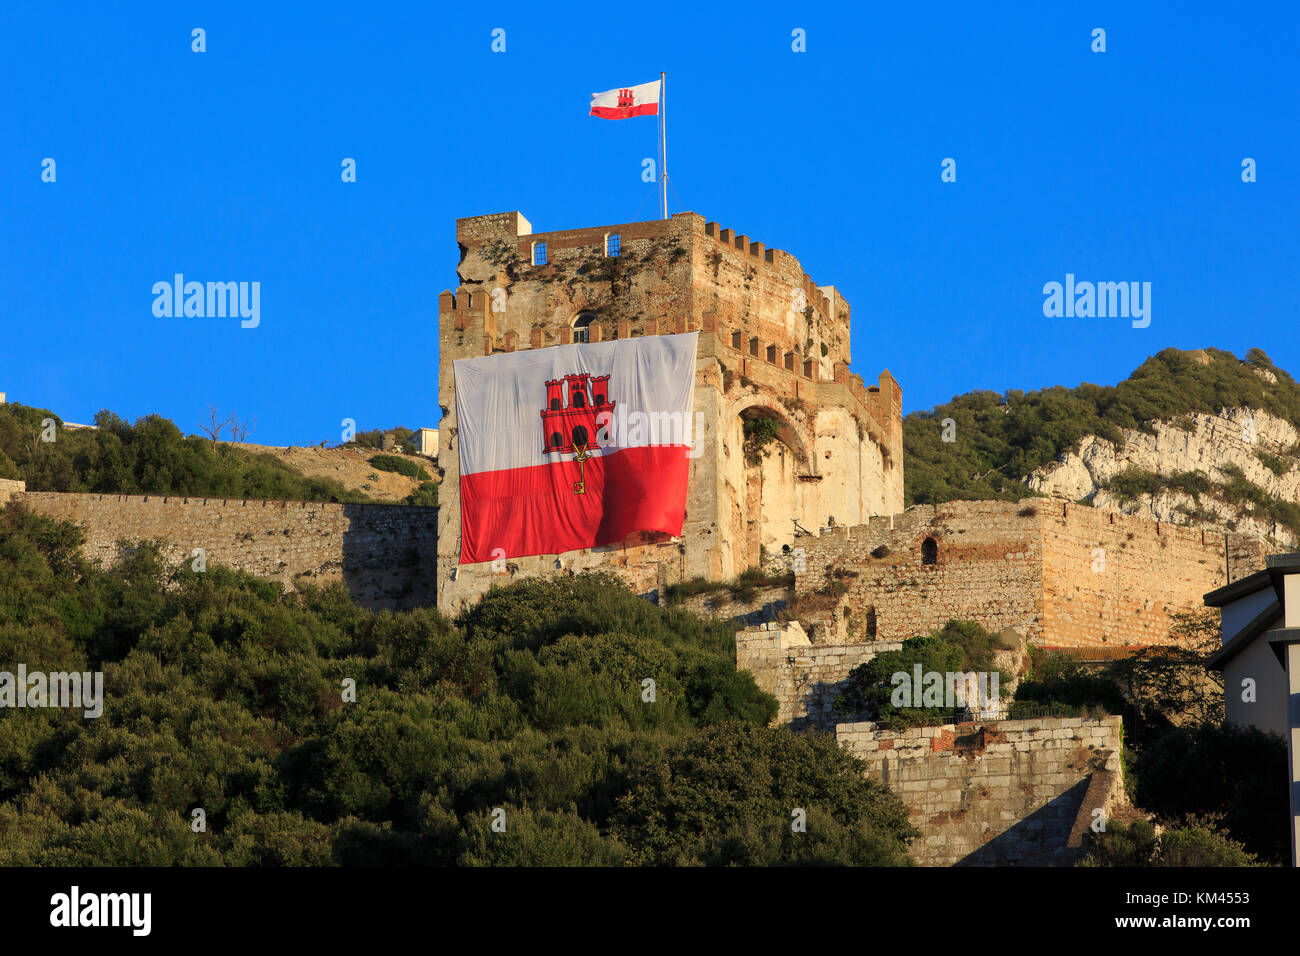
<point x="1242" y="440"/>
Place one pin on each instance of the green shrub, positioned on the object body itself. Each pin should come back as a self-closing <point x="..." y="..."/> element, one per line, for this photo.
<point x="403" y="439"/>
<point x="1132" y="483"/>
<point x="426" y="495"/>
<point x="740" y="812"/>
<point x="1234" y="774"/>
<point x="759" y="433"/>
<point x="1274" y="463"/>
<point x="1192" y="843"/>
<point x="400" y="465"/>
<point x="958" y="647"/>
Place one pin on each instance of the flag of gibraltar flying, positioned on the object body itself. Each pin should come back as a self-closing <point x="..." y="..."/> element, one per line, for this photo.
<point x="574" y="446"/>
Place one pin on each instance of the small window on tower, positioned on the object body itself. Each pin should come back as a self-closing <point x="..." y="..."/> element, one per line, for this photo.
<point x="612" y="245"/>
<point x="929" y="551"/>
<point x="582" y="327"/>
<point x="539" y="253"/>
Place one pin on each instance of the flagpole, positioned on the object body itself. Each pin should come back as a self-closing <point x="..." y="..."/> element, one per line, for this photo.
<point x="663" y="138"/>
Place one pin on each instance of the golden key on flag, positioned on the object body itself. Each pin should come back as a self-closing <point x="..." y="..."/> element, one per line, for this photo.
<point x="580" y="486"/>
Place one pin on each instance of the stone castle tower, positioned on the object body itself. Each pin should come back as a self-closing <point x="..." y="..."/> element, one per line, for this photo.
<point x="773" y="345"/>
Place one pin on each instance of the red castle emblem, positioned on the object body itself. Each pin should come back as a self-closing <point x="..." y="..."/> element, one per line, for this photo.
<point x="569" y="428"/>
<point x="625" y="99"/>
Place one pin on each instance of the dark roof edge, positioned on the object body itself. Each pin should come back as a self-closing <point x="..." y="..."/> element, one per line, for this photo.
<point x="1262" y="622"/>
<point x="1238" y="589"/>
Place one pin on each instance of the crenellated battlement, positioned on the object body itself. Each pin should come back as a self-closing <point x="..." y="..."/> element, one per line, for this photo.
<point x="779" y="258"/>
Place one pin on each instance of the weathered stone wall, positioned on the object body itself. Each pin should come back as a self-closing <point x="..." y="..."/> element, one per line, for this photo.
<point x="9" y="488"/>
<point x="722" y="604"/>
<point x="987" y="567"/>
<point x="1060" y="574"/>
<point x="1005" y="793"/>
<point x="772" y="343"/>
<point x="384" y="554"/>
<point x="802" y="677"/>
<point x="1115" y="579"/>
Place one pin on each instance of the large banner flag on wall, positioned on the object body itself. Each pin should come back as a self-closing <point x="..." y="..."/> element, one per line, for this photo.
<point x="573" y="446"/>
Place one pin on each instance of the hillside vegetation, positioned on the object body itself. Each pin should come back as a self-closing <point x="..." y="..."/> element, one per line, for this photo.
<point x="152" y="456"/>
<point x="531" y="709"/>
<point x="999" y="439"/>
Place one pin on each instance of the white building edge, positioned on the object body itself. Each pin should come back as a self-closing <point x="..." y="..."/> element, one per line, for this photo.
<point x="1260" y="659"/>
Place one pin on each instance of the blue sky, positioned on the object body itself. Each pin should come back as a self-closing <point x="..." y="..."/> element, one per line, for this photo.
<point x="225" y="165"/>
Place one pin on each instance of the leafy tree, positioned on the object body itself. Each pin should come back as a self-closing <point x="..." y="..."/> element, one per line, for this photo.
<point x="1235" y="774"/>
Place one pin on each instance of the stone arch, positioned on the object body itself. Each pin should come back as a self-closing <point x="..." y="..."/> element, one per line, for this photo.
<point x="770" y="498"/>
<point x="930" y="551"/>
<point x="789" y="431"/>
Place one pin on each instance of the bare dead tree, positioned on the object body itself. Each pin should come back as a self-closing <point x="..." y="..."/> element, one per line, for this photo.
<point x="214" y="425"/>
<point x="240" y="429"/>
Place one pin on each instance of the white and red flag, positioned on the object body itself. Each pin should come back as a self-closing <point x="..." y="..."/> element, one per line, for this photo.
<point x="640" y="100"/>
<point x="574" y="446"/>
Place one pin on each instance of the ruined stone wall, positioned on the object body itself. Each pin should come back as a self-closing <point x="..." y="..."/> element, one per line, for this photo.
<point x="873" y="583"/>
<point x="804" y="678"/>
<point x="9" y="488"/>
<point x="764" y="297"/>
<point x="723" y="605"/>
<point x="1004" y="793"/>
<point x="384" y="554"/>
<point x="1060" y="574"/>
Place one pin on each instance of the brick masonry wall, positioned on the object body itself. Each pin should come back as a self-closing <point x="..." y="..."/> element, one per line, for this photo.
<point x="1005" y="793"/>
<point x="384" y="554"/>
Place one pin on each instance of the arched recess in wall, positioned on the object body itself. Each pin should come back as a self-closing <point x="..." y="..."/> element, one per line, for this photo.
<point x="789" y="431"/>
<point x="929" y="551"/>
<point x="766" y="458"/>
